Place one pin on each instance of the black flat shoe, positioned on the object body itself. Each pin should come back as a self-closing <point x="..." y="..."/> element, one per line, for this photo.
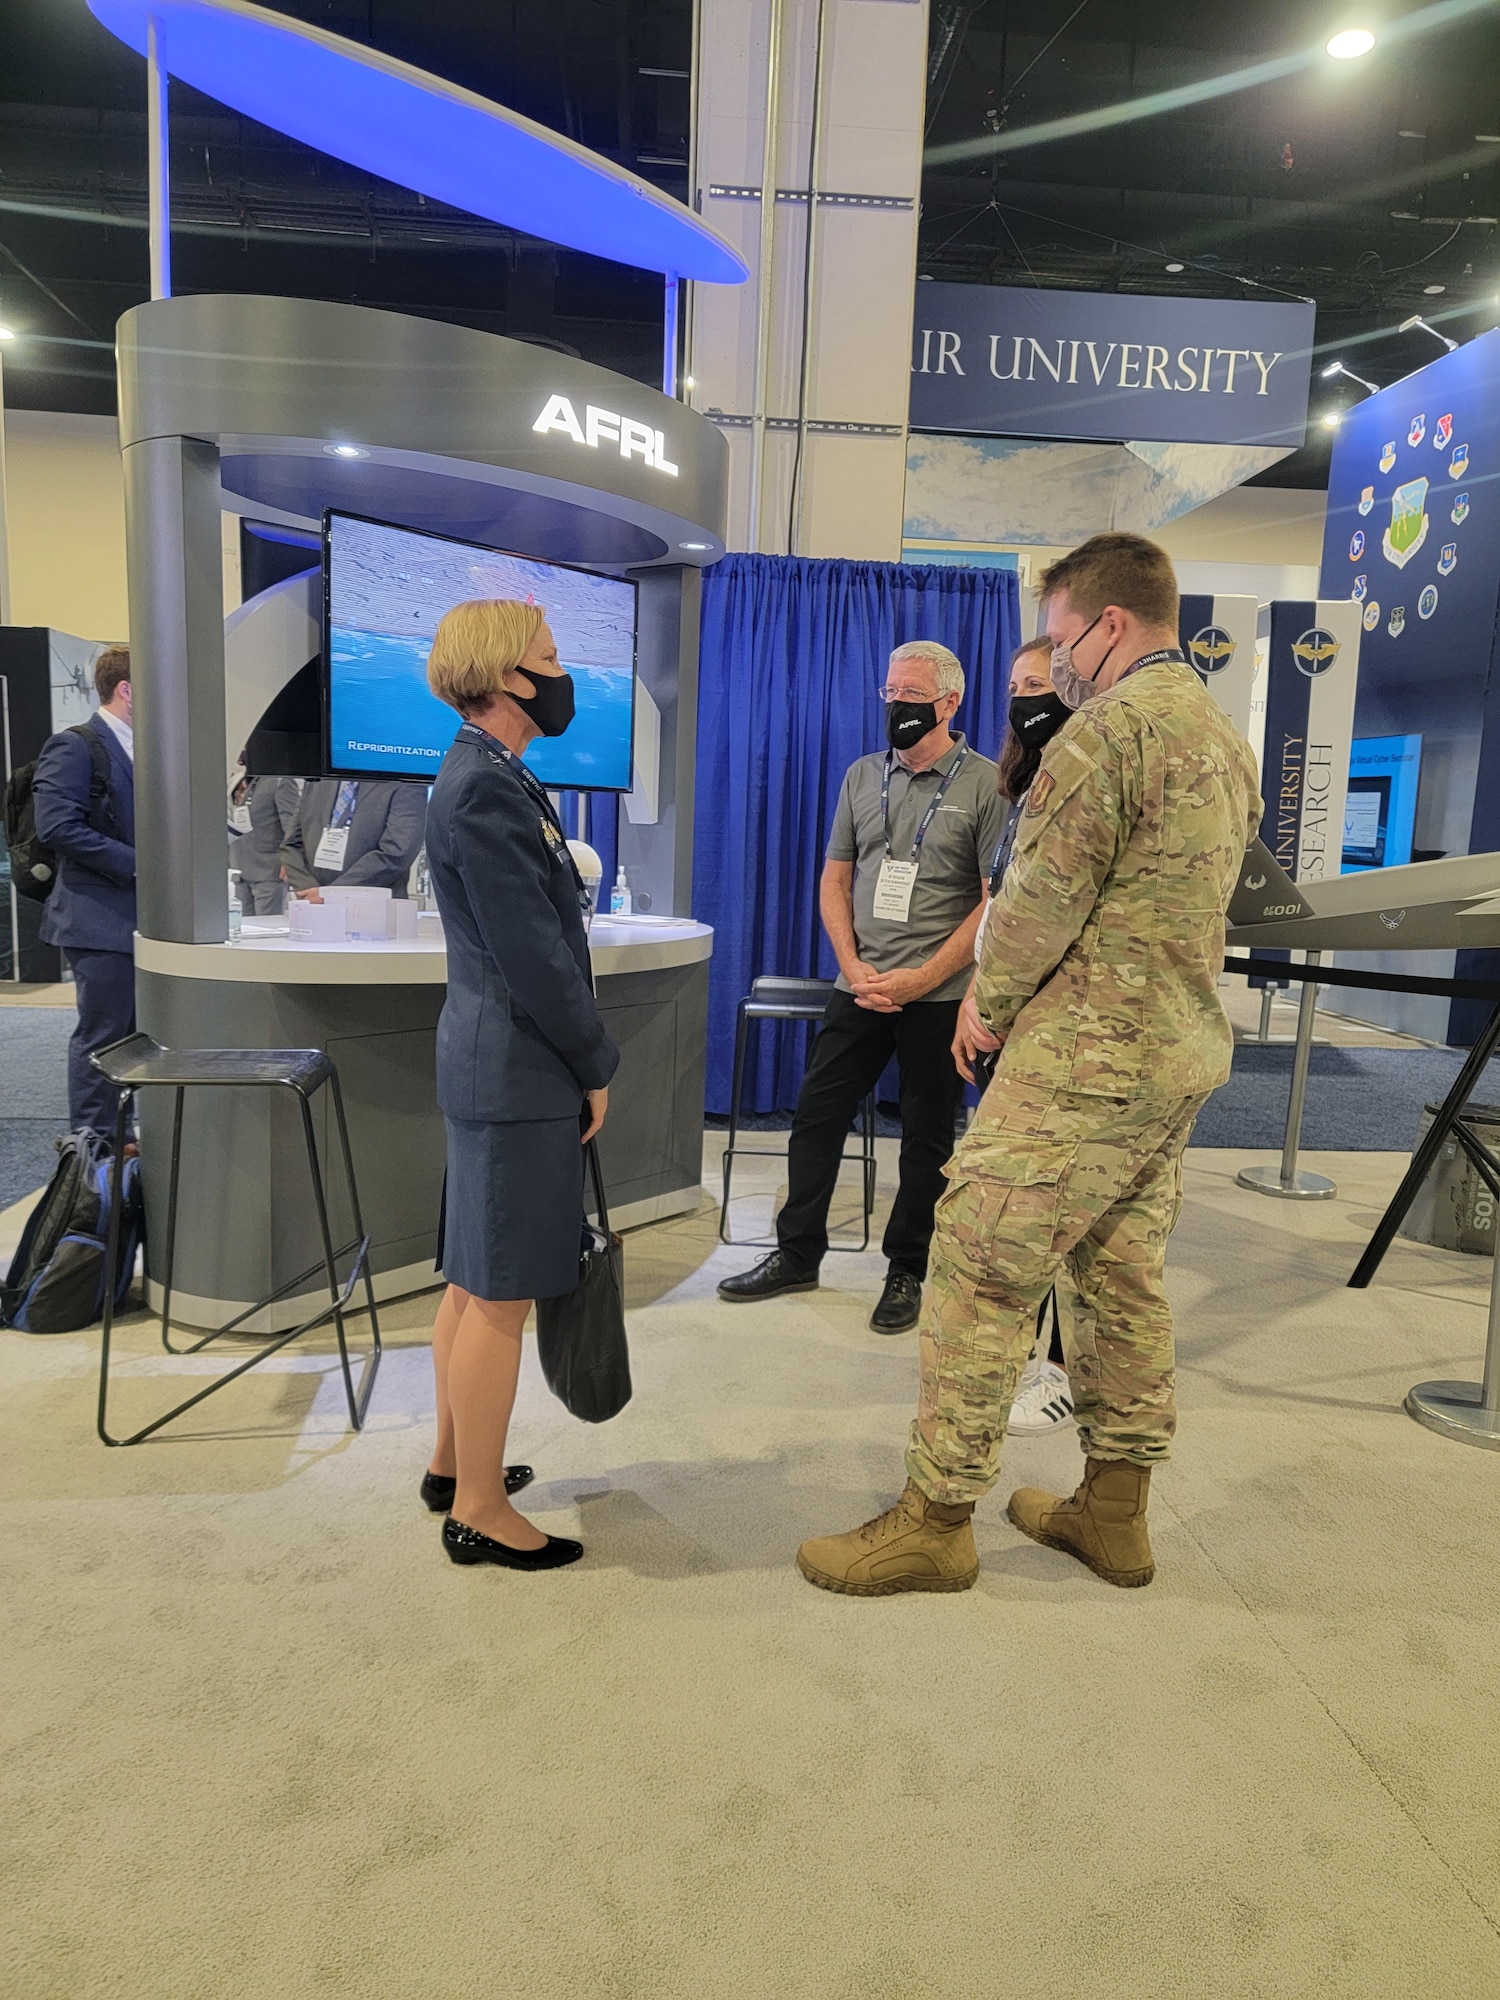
<point x="437" y="1491"/>
<point x="900" y="1304"/>
<point x="467" y="1545"/>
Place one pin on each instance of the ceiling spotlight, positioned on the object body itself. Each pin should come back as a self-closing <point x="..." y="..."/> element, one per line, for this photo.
<point x="7" y="333"/>
<point x="1433" y="291"/>
<point x="1351" y="42"/>
<point x="695" y="546"/>
<point x="1338" y="368"/>
<point x="1332" y="419"/>
<point x="1417" y="320"/>
<point x="345" y="451"/>
<point x="1174" y="268"/>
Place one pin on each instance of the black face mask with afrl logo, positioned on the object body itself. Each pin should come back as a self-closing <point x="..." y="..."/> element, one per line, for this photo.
<point x="1036" y="718"/>
<point x="907" y="722"/>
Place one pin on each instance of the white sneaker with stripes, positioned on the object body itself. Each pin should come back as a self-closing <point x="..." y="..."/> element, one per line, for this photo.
<point x="1043" y="1402"/>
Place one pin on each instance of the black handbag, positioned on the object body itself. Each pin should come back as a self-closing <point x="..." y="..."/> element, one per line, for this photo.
<point x="580" y="1336"/>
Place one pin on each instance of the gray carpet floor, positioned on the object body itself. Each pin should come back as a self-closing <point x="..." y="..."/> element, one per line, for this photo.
<point x="33" y="1095"/>
<point x="263" y="1743"/>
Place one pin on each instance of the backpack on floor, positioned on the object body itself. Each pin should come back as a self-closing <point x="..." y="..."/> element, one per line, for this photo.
<point x="56" y="1278"/>
<point x="33" y="865"/>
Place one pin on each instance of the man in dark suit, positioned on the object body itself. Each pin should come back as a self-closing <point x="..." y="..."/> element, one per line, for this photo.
<point x="86" y="815"/>
<point x="356" y="832"/>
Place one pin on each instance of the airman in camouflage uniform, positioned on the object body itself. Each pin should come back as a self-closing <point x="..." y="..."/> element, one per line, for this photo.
<point x="1099" y="970"/>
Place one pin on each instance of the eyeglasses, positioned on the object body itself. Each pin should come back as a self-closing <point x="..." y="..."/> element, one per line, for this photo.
<point x="890" y="694"/>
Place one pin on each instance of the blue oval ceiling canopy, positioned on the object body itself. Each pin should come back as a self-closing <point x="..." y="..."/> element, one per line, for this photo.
<point x="416" y="129"/>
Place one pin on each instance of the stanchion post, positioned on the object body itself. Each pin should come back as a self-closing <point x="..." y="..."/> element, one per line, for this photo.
<point x="1467" y="1411"/>
<point x="1285" y="1180"/>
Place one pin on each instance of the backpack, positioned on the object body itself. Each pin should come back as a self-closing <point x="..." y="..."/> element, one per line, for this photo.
<point x="56" y="1278"/>
<point x="33" y="865"/>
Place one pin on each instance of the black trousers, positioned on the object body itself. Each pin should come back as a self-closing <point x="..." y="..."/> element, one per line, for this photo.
<point x="853" y="1046"/>
<point x="105" y="985"/>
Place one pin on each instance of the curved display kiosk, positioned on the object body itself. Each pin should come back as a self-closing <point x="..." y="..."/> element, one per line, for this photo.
<point x="282" y="408"/>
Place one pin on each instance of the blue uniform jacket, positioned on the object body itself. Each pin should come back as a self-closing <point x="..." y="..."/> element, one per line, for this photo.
<point x="92" y="907"/>
<point x="520" y="1037"/>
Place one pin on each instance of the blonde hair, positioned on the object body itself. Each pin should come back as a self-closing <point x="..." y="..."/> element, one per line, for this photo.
<point x="476" y="648"/>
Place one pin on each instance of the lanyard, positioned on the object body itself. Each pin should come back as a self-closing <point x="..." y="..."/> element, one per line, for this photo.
<point x="937" y="799"/>
<point x="532" y="785"/>
<point x="1153" y="659"/>
<point x="1003" y="847"/>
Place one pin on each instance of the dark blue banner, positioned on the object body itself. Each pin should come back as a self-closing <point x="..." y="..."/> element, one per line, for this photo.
<point x="1017" y="363"/>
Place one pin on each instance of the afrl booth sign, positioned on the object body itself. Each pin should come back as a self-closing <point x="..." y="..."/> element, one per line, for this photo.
<point x="1022" y="363"/>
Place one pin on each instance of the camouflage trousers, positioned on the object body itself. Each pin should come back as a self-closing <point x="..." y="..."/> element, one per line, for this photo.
<point x="1041" y="1182"/>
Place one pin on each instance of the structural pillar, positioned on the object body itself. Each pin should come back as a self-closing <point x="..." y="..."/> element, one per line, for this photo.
<point x="807" y="368"/>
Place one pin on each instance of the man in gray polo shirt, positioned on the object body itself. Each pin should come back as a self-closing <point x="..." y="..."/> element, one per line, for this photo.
<point x="903" y="886"/>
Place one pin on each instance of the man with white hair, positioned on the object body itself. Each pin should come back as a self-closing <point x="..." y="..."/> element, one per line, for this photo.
<point x="903" y="885"/>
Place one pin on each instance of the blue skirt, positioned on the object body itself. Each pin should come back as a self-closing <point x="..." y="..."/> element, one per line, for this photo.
<point x="512" y="1223"/>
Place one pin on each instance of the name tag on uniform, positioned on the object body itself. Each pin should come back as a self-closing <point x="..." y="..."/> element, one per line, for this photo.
<point x="893" y="889"/>
<point x="239" y="818"/>
<point x="332" y="849"/>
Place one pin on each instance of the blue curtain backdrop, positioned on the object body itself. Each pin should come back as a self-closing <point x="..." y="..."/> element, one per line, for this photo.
<point x="791" y="658"/>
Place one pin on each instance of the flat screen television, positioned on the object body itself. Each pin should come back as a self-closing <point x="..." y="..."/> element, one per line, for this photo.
<point x="384" y="590"/>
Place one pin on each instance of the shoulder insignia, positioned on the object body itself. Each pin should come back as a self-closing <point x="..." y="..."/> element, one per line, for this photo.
<point x="550" y="833"/>
<point x="1042" y="787"/>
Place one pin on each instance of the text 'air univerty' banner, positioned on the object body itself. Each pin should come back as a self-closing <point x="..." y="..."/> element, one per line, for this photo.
<point x="1021" y="363"/>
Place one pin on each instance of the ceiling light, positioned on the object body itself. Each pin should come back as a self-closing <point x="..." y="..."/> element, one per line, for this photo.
<point x="1176" y="267"/>
<point x="1351" y="42"/>
<point x="345" y="451"/>
<point x="1338" y="368"/>
<point x="1432" y="291"/>
<point x="1332" y="419"/>
<point x="1417" y="320"/>
<point x="695" y="545"/>
<point x="7" y="333"/>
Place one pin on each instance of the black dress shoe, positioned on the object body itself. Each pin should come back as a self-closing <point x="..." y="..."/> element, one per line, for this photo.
<point x="900" y="1303"/>
<point x="437" y="1491"/>
<point x="467" y="1545"/>
<point x="768" y="1280"/>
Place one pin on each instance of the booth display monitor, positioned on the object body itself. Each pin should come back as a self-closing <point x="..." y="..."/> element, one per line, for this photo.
<point x="385" y="588"/>
<point x="1380" y="811"/>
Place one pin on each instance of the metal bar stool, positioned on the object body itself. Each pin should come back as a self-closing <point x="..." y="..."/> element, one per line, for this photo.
<point x="773" y="998"/>
<point x="139" y="1063"/>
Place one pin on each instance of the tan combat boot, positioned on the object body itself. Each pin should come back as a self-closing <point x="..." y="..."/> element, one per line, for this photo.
<point x="916" y="1545"/>
<point x="1104" y="1524"/>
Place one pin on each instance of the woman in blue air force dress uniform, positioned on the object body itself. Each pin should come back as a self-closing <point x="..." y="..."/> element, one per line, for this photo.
<point x="523" y="1061"/>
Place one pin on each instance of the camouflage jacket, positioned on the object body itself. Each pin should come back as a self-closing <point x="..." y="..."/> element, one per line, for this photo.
<point x="1102" y="950"/>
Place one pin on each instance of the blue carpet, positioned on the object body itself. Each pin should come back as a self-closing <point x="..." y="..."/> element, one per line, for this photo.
<point x="1358" y="1100"/>
<point x="33" y="1095"/>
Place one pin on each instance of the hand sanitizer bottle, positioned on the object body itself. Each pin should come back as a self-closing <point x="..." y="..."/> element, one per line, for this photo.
<point x="235" y="913"/>
<point x="619" y="896"/>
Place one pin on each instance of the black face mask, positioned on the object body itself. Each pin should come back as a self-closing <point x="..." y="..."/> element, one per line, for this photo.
<point x="1036" y="718"/>
<point x="552" y="707"/>
<point x="907" y="722"/>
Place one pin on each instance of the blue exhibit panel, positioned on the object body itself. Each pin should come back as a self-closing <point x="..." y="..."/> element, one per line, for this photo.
<point x="386" y="589"/>
<point x="1380" y="809"/>
<point x="409" y="126"/>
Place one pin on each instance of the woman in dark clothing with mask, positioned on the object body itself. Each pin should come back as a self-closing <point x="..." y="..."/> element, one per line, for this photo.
<point x="523" y="1062"/>
<point x="1043" y="1398"/>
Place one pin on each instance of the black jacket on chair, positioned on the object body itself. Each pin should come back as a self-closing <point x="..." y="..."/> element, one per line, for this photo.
<point x="520" y="1036"/>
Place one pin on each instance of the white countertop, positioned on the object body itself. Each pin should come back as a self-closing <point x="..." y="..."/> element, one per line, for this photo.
<point x="267" y="956"/>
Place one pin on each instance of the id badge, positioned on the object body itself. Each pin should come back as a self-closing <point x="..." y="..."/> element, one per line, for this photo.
<point x="332" y="849"/>
<point x="239" y="818"/>
<point x="893" y="890"/>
